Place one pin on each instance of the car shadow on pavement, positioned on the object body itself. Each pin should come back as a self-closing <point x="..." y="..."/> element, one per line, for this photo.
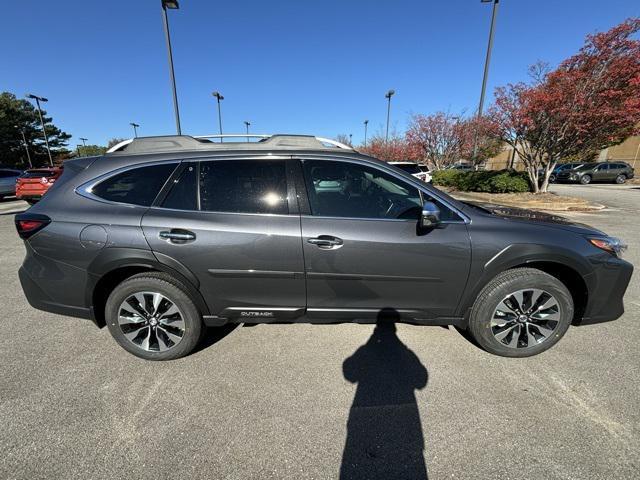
<point x="384" y="432"/>
<point x="213" y="335"/>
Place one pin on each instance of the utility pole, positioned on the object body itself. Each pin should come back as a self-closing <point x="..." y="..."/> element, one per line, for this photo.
<point x="247" y="124"/>
<point x="173" y="5"/>
<point x="219" y="96"/>
<point x="485" y="76"/>
<point x="388" y="96"/>
<point x="44" y="130"/>
<point x="366" y="123"/>
<point x="26" y="147"/>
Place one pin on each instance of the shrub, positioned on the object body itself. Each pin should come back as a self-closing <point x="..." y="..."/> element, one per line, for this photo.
<point x="491" y="181"/>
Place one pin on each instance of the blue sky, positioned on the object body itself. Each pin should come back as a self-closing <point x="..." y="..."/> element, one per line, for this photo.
<point x="318" y="67"/>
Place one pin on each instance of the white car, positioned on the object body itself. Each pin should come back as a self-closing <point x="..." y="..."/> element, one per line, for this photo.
<point x="419" y="171"/>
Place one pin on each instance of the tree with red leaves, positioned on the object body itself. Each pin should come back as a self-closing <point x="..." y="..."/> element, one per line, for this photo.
<point x="392" y="150"/>
<point x="591" y="101"/>
<point x="441" y="139"/>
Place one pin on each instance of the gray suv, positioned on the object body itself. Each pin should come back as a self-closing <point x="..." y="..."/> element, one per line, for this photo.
<point x="615" y="172"/>
<point x="167" y="235"/>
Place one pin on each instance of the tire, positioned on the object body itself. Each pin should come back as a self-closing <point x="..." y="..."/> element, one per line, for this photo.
<point x="585" y="179"/>
<point x="620" y="179"/>
<point x="31" y="201"/>
<point x="502" y="331"/>
<point x="153" y="329"/>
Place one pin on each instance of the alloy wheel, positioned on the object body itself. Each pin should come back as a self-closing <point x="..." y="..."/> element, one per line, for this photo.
<point x="151" y="321"/>
<point x="525" y="318"/>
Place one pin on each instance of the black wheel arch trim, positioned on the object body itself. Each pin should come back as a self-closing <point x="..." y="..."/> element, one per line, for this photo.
<point x="515" y="255"/>
<point x="111" y="259"/>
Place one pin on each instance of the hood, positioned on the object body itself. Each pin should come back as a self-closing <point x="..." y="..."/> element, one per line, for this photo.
<point x="534" y="216"/>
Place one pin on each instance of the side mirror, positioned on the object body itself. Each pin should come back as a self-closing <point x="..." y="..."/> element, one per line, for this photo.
<point x="430" y="215"/>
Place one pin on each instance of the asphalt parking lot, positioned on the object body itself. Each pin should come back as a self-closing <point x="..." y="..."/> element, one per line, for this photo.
<point x="304" y="401"/>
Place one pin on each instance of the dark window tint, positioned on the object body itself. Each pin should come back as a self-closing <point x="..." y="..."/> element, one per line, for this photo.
<point x="8" y="173"/>
<point x="243" y="186"/>
<point x="138" y="186"/>
<point x="618" y="166"/>
<point x="184" y="191"/>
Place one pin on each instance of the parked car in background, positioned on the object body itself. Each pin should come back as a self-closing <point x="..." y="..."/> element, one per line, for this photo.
<point x="412" y="168"/>
<point x="34" y="183"/>
<point x="562" y="168"/>
<point x="615" y="172"/>
<point x="8" y="177"/>
<point x="165" y="235"/>
<point x="465" y="167"/>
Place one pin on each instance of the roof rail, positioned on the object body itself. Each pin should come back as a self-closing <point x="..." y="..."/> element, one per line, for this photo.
<point x="204" y="142"/>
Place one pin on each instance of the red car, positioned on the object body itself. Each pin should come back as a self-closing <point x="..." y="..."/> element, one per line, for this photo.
<point x="34" y="183"/>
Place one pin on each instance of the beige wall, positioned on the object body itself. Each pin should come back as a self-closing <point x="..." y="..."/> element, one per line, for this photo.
<point x="628" y="151"/>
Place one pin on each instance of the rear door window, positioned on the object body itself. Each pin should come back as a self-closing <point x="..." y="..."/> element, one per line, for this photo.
<point x="243" y="186"/>
<point x="184" y="191"/>
<point x="137" y="186"/>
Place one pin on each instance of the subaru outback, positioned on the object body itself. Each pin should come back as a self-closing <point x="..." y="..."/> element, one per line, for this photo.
<point x="164" y="236"/>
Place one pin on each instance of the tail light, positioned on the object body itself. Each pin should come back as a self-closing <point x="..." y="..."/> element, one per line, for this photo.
<point x="28" y="224"/>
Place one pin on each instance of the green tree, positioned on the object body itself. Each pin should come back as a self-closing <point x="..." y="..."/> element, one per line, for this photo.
<point x="18" y="116"/>
<point x="91" y="150"/>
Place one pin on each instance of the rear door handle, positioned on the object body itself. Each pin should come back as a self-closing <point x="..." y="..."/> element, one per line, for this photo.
<point x="326" y="242"/>
<point x="177" y="235"/>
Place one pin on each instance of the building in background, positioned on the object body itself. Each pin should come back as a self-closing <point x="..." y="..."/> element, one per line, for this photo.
<point x="628" y="151"/>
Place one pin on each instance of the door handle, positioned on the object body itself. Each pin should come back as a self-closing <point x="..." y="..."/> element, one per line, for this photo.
<point x="176" y="235"/>
<point x="326" y="242"/>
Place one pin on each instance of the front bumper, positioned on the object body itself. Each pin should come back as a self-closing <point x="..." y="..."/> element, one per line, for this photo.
<point x="607" y="286"/>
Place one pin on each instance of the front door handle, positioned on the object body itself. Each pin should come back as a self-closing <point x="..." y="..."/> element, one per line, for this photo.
<point x="177" y="235"/>
<point x="326" y="242"/>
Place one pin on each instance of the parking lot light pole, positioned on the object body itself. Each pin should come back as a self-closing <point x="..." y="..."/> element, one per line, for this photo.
<point x="219" y="96"/>
<point x="26" y="146"/>
<point x="135" y="129"/>
<point x="247" y="124"/>
<point x="173" y="5"/>
<point x="44" y="130"/>
<point x="84" y="141"/>
<point x="388" y="96"/>
<point x="487" y="61"/>
<point x="366" y="123"/>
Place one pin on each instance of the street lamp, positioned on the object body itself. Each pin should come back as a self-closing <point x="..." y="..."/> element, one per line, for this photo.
<point x="366" y="124"/>
<point x="26" y="146"/>
<point x="487" y="61"/>
<point x="350" y="140"/>
<point x="135" y="129"/>
<point x="219" y="96"/>
<point x="84" y="141"/>
<point x="44" y="131"/>
<point x="247" y="124"/>
<point x="173" y="5"/>
<point x="388" y="96"/>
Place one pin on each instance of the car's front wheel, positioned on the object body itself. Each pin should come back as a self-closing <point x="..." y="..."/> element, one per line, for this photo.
<point x="521" y="312"/>
<point x="585" y="179"/>
<point x="552" y="178"/>
<point x="620" y="179"/>
<point x="152" y="316"/>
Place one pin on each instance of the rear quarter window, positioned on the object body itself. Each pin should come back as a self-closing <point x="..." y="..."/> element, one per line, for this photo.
<point x="137" y="186"/>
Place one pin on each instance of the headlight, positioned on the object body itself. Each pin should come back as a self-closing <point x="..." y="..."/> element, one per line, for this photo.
<point x="609" y="244"/>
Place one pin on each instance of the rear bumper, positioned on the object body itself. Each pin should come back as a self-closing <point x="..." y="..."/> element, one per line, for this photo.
<point x="608" y="284"/>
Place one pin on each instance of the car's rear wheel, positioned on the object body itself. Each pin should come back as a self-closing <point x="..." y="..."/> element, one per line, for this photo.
<point x="521" y="312"/>
<point x="620" y="179"/>
<point x="585" y="179"/>
<point x="152" y="316"/>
